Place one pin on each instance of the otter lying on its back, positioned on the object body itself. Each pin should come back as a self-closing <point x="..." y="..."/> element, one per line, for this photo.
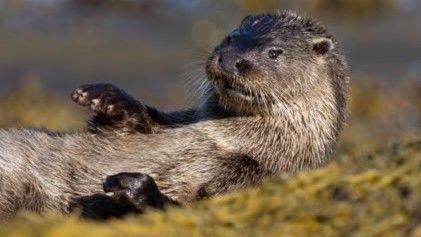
<point x="277" y="102"/>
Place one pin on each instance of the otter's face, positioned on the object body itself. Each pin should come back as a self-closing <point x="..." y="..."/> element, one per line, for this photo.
<point x="269" y="59"/>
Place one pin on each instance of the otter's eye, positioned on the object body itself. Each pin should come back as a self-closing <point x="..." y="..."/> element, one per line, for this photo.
<point x="274" y="53"/>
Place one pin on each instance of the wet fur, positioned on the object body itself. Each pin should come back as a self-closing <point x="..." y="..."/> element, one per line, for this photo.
<point x="223" y="145"/>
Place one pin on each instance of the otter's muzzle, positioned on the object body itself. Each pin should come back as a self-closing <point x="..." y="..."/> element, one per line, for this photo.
<point x="233" y="64"/>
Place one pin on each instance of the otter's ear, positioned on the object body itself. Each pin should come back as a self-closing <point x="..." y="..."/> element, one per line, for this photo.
<point x="322" y="45"/>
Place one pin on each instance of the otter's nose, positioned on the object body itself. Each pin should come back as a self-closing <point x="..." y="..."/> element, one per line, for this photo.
<point x="233" y="64"/>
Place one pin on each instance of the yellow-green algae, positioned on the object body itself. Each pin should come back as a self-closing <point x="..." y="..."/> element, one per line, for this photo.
<point x="374" y="195"/>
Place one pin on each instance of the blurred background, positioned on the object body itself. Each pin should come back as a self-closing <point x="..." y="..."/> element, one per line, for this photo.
<point x="151" y="48"/>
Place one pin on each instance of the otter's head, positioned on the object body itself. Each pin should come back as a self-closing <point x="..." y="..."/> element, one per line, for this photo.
<point x="274" y="59"/>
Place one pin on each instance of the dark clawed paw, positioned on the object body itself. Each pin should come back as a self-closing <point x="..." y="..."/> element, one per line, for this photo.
<point x="102" y="98"/>
<point x="134" y="189"/>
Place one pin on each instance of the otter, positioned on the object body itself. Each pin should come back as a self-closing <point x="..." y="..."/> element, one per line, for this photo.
<point x="276" y="103"/>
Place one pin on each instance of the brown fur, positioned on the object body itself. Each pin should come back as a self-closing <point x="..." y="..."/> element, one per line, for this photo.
<point x="269" y="118"/>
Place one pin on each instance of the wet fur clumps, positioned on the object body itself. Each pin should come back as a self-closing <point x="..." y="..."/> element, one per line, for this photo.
<point x="275" y="103"/>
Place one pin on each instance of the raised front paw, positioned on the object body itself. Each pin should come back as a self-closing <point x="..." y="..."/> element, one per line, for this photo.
<point x="104" y="99"/>
<point x="136" y="189"/>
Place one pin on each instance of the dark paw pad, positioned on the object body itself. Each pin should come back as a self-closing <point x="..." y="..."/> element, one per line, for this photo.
<point x="102" y="98"/>
<point x="137" y="189"/>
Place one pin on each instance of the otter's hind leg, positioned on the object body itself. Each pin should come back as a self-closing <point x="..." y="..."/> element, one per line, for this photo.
<point x="20" y="191"/>
<point x="136" y="189"/>
<point x="115" y="110"/>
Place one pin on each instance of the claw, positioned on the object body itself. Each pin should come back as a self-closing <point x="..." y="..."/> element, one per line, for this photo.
<point x="96" y="101"/>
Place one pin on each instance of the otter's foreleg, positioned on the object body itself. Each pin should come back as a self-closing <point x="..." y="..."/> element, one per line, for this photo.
<point x="115" y="110"/>
<point x="187" y="183"/>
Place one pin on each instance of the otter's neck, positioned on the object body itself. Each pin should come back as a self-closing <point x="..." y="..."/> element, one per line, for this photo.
<point x="300" y="135"/>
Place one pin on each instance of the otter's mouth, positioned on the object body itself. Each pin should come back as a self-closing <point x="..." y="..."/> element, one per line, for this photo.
<point x="231" y="90"/>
